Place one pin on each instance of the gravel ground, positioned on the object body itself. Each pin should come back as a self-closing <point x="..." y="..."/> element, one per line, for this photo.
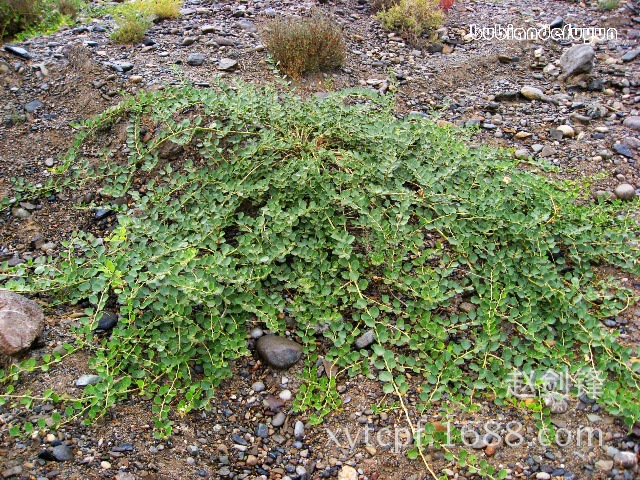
<point x="578" y="125"/>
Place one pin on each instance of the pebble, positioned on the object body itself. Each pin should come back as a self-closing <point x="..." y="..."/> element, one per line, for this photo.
<point x="195" y="59"/>
<point x="62" y="453"/>
<point x="285" y="395"/>
<point x="298" y="430"/>
<point x="625" y="191"/>
<point x="278" y="419"/>
<point x="365" y="340"/>
<point x="258" y="387"/>
<point x="348" y="473"/>
<point x="227" y="64"/>
<point x="532" y="93"/>
<point x="85" y="380"/>
<point x="633" y="123"/>
<point x="627" y="460"/>
<point x="278" y="352"/>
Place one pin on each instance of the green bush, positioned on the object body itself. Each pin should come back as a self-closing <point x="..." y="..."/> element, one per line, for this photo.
<point x="131" y="24"/>
<point x="413" y="18"/>
<point x="607" y="5"/>
<point x="337" y="217"/>
<point x="308" y="44"/>
<point x="28" y="18"/>
<point x="133" y="19"/>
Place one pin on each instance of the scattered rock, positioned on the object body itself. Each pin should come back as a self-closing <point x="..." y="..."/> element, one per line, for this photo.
<point x="365" y="340"/>
<point x="627" y="460"/>
<point x="631" y="55"/>
<point x="604" y="465"/>
<point x="577" y="59"/>
<point x="532" y="93"/>
<point x="195" y="59"/>
<point x="62" y="453"/>
<point x="19" y="51"/>
<point x="33" y="106"/>
<point x="227" y="64"/>
<point x="348" y="473"/>
<point x="622" y="149"/>
<point x="632" y="122"/>
<point x="21" y="322"/>
<point x="625" y="191"/>
<point x="85" y="380"/>
<point x="278" y="419"/>
<point x="278" y="352"/>
<point x="298" y="430"/>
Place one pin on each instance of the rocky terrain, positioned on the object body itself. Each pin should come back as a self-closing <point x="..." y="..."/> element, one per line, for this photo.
<point x="576" y="107"/>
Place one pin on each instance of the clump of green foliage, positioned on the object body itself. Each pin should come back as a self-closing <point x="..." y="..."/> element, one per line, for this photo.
<point x="28" y="18"/>
<point x="131" y="25"/>
<point x="133" y="19"/>
<point x="306" y="44"/>
<point x="412" y="18"/>
<point x="607" y="5"/>
<point x="338" y="217"/>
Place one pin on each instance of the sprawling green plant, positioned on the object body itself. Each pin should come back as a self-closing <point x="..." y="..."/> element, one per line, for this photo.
<point x="344" y="217"/>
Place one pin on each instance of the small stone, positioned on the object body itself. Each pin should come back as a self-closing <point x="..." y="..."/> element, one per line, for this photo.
<point x="278" y="352"/>
<point x="251" y="460"/>
<point x="604" y="465"/>
<point x="262" y="430"/>
<point x="105" y="465"/>
<point x="107" y="321"/>
<point x="285" y="395"/>
<point x="365" y="340"/>
<point x="195" y="59"/>
<point x="208" y="29"/>
<point x="631" y="55"/>
<point x="625" y="191"/>
<point x="622" y="149"/>
<point x="20" y="213"/>
<point x="62" y="453"/>
<point x="258" y="387"/>
<point x="632" y="122"/>
<point x="298" y="430"/>
<point x="547" y="151"/>
<point x="348" y="473"/>
<point x="12" y="472"/>
<point x="567" y="130"/>
<point x="85" y="380"/>
<point x="21" y="322"/>
<point x="577" y="59"/>
<point x="33" y="106"/>
<point x="19" y="51"/>
<point x="227" y="64"/>
<point x="135" y="79"/>
<point x="532" y="93"/>
<point x="256" y="333"/>
<point x="542" y="476"/>
<point x="186" y="41"/>
<point x="491" y="450"/>
<point x="122" y="66"/>
<point x="557" y="23"/>
<point x="278" y="419"/>
<point x="627" y="460"/>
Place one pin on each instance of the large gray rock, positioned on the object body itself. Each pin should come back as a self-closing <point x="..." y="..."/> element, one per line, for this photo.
<point x="21" y="322"/>
<point x="278" y="352"/>
<point x="577" y="59"/>
<point x="632" y="122"/>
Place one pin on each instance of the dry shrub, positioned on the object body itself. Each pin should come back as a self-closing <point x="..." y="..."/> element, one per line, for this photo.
<point x="307" y="44"/>
<point x="413" y="18"/>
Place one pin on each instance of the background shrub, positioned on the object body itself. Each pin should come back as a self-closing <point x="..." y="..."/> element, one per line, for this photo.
<point x="301" y="45"/>
<point x="161" y="9"/>
<point x="26" y="18"/>
<point x="413" y="18"/>
<point x="131" y="24"/>
<point x="607" y="5"/>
